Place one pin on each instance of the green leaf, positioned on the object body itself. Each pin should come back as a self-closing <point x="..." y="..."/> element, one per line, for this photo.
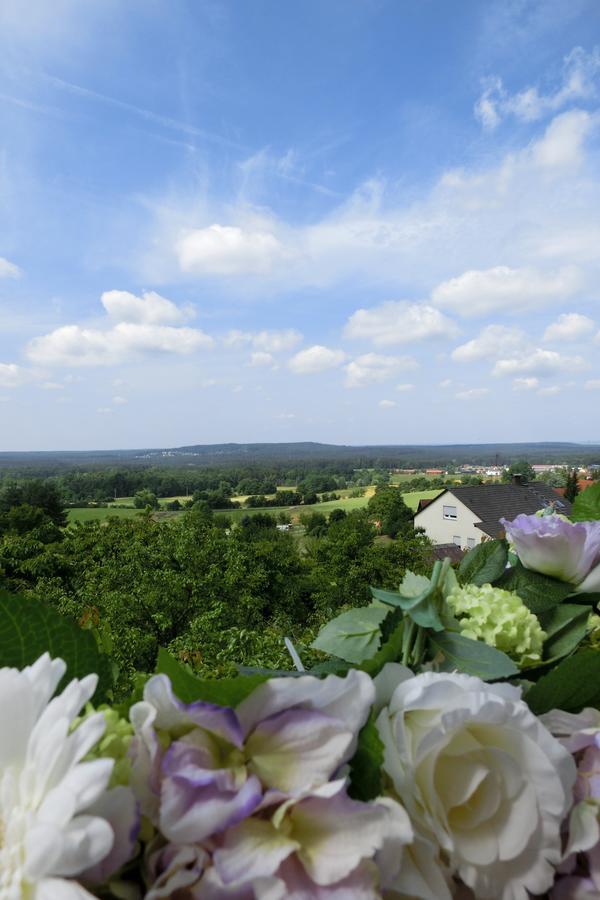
<point x="473" y="657"/>
<point x="484" y="563"/>
<point x="421" y="608"/>
<point x="29" y="628"/>
<point x="586" y="506"/>
<point x="366" y="764"/>
<point x="565" y="627"/>
<point x="353" y="635"/>
<point x="390" y="651"/>
<point x="414" y="585"/>
<point x="224" y="692"/>
<point x="539" y="593"/>
<point x="571" y="686"/>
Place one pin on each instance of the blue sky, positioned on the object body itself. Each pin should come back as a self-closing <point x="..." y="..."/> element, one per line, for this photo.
<point x="354" y="222"/>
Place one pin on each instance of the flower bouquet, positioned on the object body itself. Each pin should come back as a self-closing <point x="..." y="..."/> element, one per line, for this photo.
<point x="447" y="746"/>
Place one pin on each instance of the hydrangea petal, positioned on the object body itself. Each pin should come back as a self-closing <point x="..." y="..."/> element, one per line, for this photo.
<point x="297" y="749"/>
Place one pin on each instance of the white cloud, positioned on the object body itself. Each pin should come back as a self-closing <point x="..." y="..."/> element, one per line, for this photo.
<point x="269" y="341"/>
<point x="8" y="269"/>
<point x="502" y="289"/>
<point x="73" y="345"/>
<point x="405" y="388"/>
<point x="472" y="394"/>
<point x="569" y="327"/>
<point x="397" y="322"/>
<point x="549" y="391"/>
<point x="492" y="341"/>
<point x="52" y="386"/>
<point x="149" y="309"/>
<point x="104" y="410"/>
<point x="387" y="404"/>
<point x="446" y="383"/>
<point x="12" y="375"/>
<point x="228" y="250"/>
<point x="136" y="332"/>
<point x="525" y="384"/>
<point x="372" y="368"/>
<point x="316" y="359"/>
<point x="260" y="358"/>
<point x="119" y="401"/>
<point x="562" y="144"/>
<point x="578" y="82"/>
<point x="593" y="384"/>
<point x="538" y="363"/>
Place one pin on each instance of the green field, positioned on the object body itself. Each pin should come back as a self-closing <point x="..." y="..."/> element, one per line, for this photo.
<point x="94" y="513"/>
<point x="120" y="510"/>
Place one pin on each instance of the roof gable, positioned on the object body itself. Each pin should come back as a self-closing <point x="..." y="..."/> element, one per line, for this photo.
<point x="491" y="502"/>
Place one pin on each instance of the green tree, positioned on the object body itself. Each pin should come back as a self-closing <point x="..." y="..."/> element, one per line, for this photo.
<point x="518" y="467"/>
<point x="387" y="506"/>
<point x="571" y="485"/>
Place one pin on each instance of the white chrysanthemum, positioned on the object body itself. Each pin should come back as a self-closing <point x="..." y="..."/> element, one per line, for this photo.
<point x="46" y="838"/>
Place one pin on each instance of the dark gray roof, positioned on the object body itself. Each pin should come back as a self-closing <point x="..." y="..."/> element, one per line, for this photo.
<point x="492" y="502"/>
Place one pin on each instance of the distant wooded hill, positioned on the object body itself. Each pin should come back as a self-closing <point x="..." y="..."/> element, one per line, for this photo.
<point x="401" y="456"/>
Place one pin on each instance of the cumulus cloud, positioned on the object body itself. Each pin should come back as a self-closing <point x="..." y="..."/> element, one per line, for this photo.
<point x="260" y="358"/>
<point x="503" y="289"/>
<point x="373" y="368"/>
<point x="387" y="404"/>
<point x="593" y="384"/>
<point x="136" y="330"/>
<point x="472" y="394"/>
<point x="538" y="363"/>
<point x="562" y="145"/>
<point x="525" y="384"/>
<point x="550" y="391"/>
<point x="316" y="359"/>
<point x="405" y="388"/>
<point x="8" y="269"/>
<point x="397" y="322"/>
<point x="149" y="309"/>
<point x="569" y="327"/>
<point x="228" y="250"/>
<point x="269" y="341"/>
<point x="578" y="82"/>
<point x="492" y="341"/>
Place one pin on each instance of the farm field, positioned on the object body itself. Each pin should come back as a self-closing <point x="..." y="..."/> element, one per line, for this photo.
<point x="121" y="509"/>
<point x="95" y="513"/>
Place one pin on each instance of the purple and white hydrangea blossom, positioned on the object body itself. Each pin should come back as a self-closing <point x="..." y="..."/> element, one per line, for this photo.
<point x="248" y="802"/>
<point x="551" y="545"/>
<point x="580" y="735"/>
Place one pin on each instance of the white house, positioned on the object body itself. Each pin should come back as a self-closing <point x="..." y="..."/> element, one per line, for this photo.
<point x="467" y="515"/>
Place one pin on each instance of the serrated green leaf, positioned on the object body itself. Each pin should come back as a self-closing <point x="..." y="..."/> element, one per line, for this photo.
<point x="354" y="635"/>
<point x="390" y="651"/>
<point x="224" y="692"/>
<point x="572" y="685"/>
<point x="29" y="628"/>
<point x="366" y="764"/>
<point x="473" y="657"/>
<point x="565" y="628"/>
<point x="484" y="563"/>
<point x="538" y="592"/>
<point x="414" y="585"/>
<point x="586" y="506"/>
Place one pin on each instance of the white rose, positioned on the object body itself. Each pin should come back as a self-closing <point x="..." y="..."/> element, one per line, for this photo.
<point x="480" y="775"/>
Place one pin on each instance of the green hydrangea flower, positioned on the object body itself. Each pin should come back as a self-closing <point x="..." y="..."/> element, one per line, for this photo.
<point x="114" y="743"/>
<point x="501" y="619"/>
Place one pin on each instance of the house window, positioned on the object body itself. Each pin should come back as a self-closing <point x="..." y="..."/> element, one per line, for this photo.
<point x="470" y="543"/>
<point x="450" y="512"/>
<point x="456" y="539"/>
